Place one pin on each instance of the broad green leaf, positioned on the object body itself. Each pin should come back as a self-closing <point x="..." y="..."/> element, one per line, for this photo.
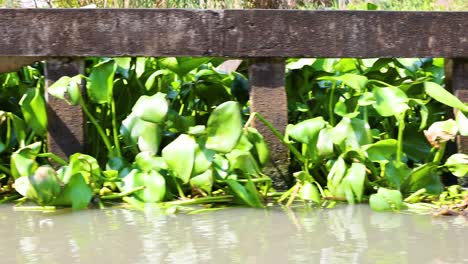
<point x="146" y="161"/>
<point x="182" y="66"/>
<point x="23" y="186"/>
<point x="46" y="184"/>
<point x="101" y="82"/>
<point x="23" y="161"/>
<point x="85" y="165"/>
<point x="260" y="148"/>
<point x="295" y="64"/>
<point x="386" y="200"/>
<point x="203" y="158"/>
<point x="147" y="135"/>
<point x="151" y="108"/>
<point x="325" y="142"/>
<point x="382" y="150"/>
<point x="335" y="176"/>
<point x="34" y="111"/>
<point x="59" y="88"/>
<point x="155" y="185"/>
<point x="390" y="101"/>
<point x="310" y="192"/>
<point x="74" y="90"/>
<point x="76" y="193"/>
<point x="341" y="109"/>
<point x="352" y="133"/>
<point x="440" y="94"/>
<point x="224" y="127"/>
<point x="354" y="81"/>
<point x="152" y="78"/>
<point x="243" y="161"/>
<point x="424" y="176"/>
<point x="355" y="177"/>
<point x="307" y="130"/>
<point x="396" y="173"/>
<point x="180" y="155"/>
<point x="19" y="128"/>
<point x="203" y="181"/>
<point x="458" y="164"/>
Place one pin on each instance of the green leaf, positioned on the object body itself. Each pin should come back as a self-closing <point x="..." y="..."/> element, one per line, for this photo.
<point x="390" y="101"/>
<point x="180" y="156"/>
<point x="146" y="135"/>
<point x="260" y="149"/>
<point x="458" y="164"/>
<point x="335" y="176"/>
<point x="440" y="94"/>
<point x="396" y="173"/>
<point x="203" y="158"/>
<point x="182" y="66"/>
<point x="307" y="130"/>
<point x="382" y="150"/>
<point x="34" y="111"/>
<point x="86" y="165"/>
<point x="155" y="185"/>
<point x="152" y="78"/>
<point x="151" y="108"/>
<point x="243" y="195"/>
<point x="46" y="184"/>
<point x="203" y="181"/>
<point x="386" y="200"/>
<point x="424" y="176"/>
<point x="325" y="142"/>
<point x="355" y="177"/>
<point x="76" y="193"/>
<point x="23" y="186"/>
<point x="354" y="81"/>
<point x="23" y="161"/>
<point x="224" y="127"/>
<point x="310" y="192"/>
<point x="101" y="82"/>
<point x="59" y="88"/>
<point x="146" y="161"/>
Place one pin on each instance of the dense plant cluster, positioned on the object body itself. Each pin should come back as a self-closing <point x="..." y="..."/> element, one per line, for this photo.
<point x="172" y="130"/>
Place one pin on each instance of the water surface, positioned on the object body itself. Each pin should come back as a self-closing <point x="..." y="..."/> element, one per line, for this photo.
<point x="348" y="234"/>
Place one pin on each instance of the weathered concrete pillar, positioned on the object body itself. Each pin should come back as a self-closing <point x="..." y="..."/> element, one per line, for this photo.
<point x="268" y="97"/>
<point x="11" y="64"/>
<point x="457" y="80"/>
<point x="66" y="122"/>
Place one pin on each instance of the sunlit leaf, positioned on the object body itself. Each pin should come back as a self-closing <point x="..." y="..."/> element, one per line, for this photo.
<point x="23" y="161"/>
<point x="307" y="130"/>
<point x="424" y="176"/>
<point x="440" y="94"/>
<point x="45" y="183"/>
<point x="203" y="181"/>
<point x="458" y="164"/>
<point x="151" y="108"/>
<point x="355" y="177"/>
<point x="390" y="101"/>
<point x="155" y="185"/>
<point x="243" y="195"/>
<point x="224" y="127"/>
<point x="34" y="110"/>
<point x="76" y="193"/>
<point x="260" y="150"/>
<point x="180" y="155"/>
<point x="310" y="192"/>
<point x="386" y="200"/>
<point x="381" y="150"/>
<point x="101" y="82"/>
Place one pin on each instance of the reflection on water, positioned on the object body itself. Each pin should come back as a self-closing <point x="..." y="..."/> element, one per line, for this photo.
<point x="349" y="234"/>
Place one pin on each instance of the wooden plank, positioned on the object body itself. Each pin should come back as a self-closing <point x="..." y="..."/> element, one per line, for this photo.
<point x="66" y="122"/>
<point x="232" y="33"/>
<point x="458" y="82"/>
<point x="11" y="64"/>
<point x="268" y="97"/>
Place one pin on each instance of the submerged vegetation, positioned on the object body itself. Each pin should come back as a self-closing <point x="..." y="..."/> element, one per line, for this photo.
<point x="176" y="131"/>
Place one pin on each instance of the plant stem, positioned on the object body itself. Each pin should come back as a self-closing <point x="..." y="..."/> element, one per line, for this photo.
<point x="280" y="137"/>
<point x="10" y="198"/>
<point x="440" y="153"/>
<point x="202" y="200"/>
<point x="5" y="169"/>
<point x="122" y="194"/>
<point x="53" y="157"/>
<point x="401" y="128"/>
<point x="331" y="104"/>
<point x="100" y="130"/>
<point x="114" y="129"/>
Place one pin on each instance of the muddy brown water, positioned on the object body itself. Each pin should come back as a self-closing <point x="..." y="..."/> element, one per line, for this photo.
<point x="347" y="234"/>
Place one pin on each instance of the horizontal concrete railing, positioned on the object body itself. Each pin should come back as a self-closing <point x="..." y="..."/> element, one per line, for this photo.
<point x="232" y="33"/>
<point x="266" y="36"/>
